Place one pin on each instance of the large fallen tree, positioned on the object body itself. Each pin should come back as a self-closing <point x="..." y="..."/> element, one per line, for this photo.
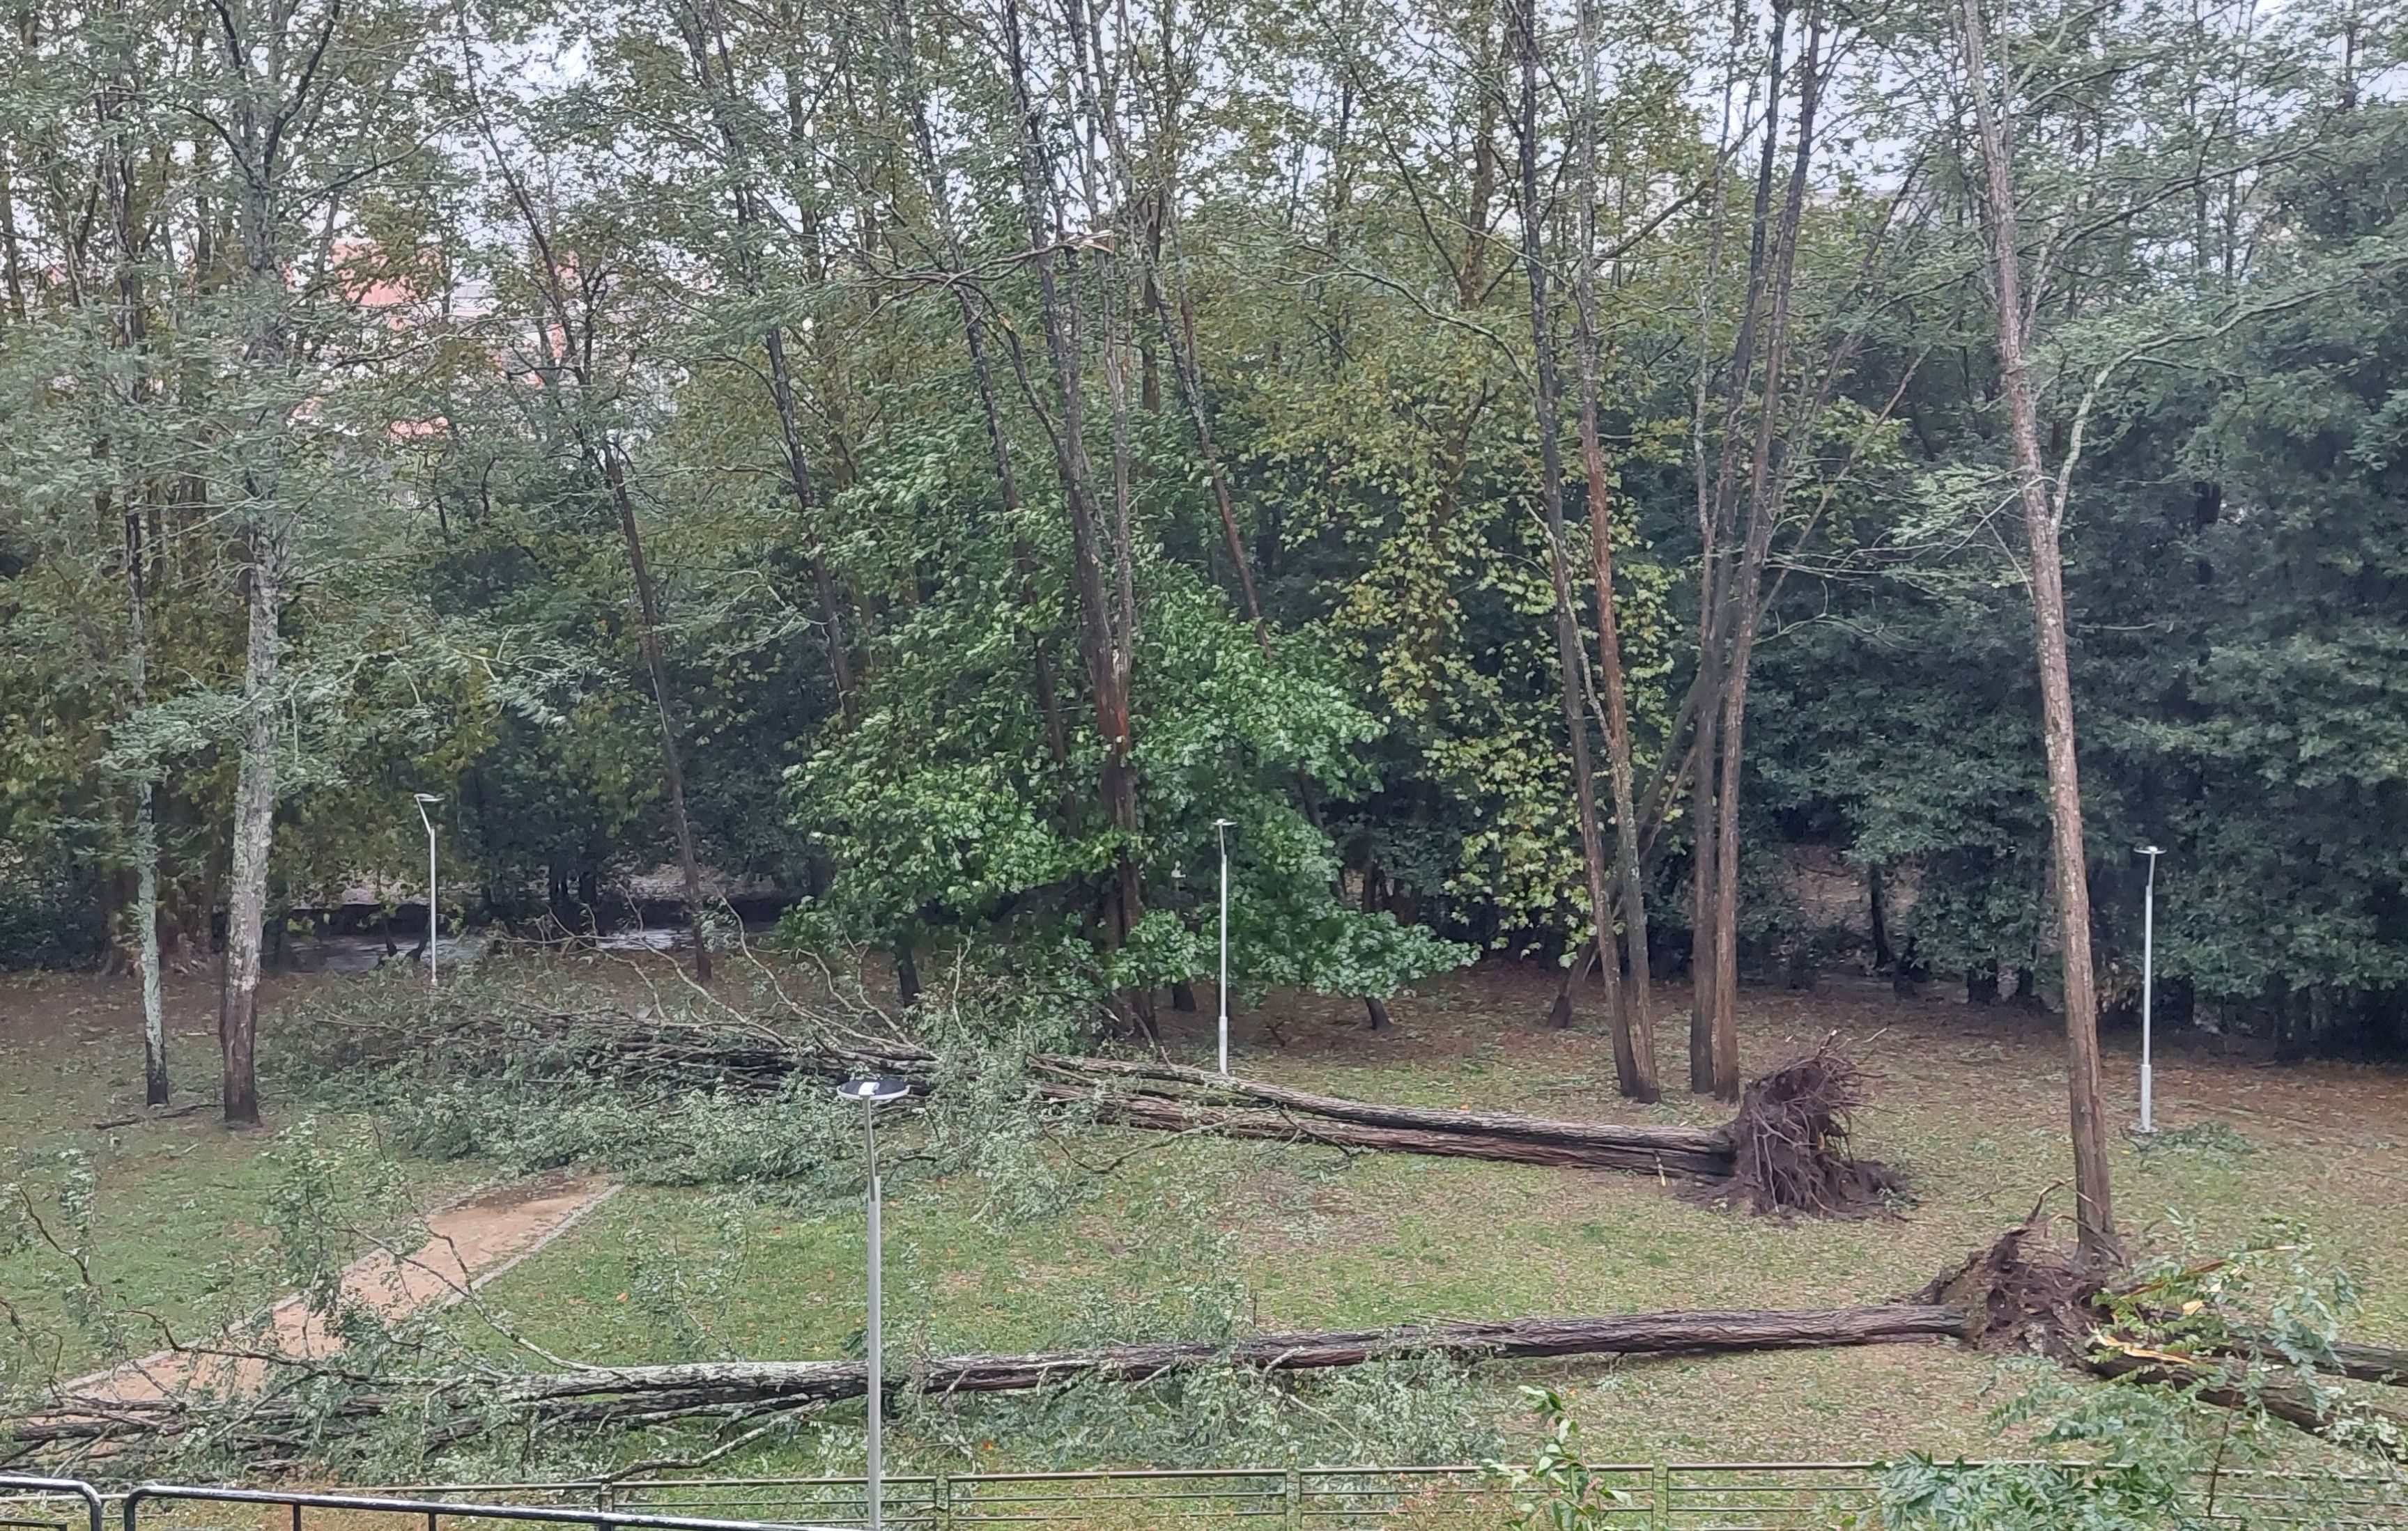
<point x="1785" y="1152"/>
<point x="2015" y="1301"/>
<point x="456" y="1406"/>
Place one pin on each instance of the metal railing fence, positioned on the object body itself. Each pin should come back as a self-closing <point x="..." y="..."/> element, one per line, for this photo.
<point x="1642" y="1496"/>
<point x="17" y="1491"/>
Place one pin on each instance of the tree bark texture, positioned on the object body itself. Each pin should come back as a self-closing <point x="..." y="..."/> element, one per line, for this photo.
<point x="254" y="827"/>
<point x="145" y="828"/>
<point x="2043" y="514"/>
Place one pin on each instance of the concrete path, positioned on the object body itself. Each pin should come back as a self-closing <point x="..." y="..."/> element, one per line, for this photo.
<point x="468" y="1245"/>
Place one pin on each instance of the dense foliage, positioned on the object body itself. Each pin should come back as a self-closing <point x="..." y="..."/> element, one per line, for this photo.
<point x="946" y="457"/>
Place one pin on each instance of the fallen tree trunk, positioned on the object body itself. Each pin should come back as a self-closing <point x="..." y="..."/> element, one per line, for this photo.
<point x="1170" y="1115"/>
<point x="580" y="1395"/>
<point x="1785" y="1152"/>
<point x="2370" y="1363"/>
<point x="2293" y="1405"/>
<point x="1648" y="1137"/>
<point x="2015" y="1296"/>
<point x="620" y="1395"/>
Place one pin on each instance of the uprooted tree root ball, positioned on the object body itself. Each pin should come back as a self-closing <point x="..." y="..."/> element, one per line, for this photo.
<point x="2022" y="1294"/>
<point x="1789" y="1143"/>
<point x="1785" y="1152"/>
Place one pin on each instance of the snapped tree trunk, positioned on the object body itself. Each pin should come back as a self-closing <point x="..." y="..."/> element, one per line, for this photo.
<point x="2042" y="515"/>
<point x="1634" y="1074"/>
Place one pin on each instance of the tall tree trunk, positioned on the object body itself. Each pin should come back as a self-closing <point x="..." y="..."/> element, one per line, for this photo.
<point x="2094" y="1216"/>
<point x="1180" y="339"/>
<point x="269" y="347"/>
<point x="1639" y="994"/>
<point x="145" y="828"/>
<point x="1099" y="650"/>
<point x="254" y="828"/>
<point x="1634" y="1075"/>
<point x="127" y="332"/>
<point x="1704" y="965"/>
<point x="1375" y="1009"/>
<point x="1763" y="512"/>
<point x="1878" y="909"/>
<point x="615" y="473"/>
<point x="1716" y="508"/>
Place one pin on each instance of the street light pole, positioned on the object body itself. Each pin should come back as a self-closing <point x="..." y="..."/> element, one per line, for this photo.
<point x="2148" y="989"/>
<point x="873" y="1093"/>
<point x="434" y="926"/>
<point x="1220" y="827"/>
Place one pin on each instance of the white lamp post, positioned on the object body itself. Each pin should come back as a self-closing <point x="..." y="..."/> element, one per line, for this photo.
<point x="2148" y="989"/>
<point x="872" y="1094"/>
<point x="434" y="926"/>
<point x="1222" y="827"/>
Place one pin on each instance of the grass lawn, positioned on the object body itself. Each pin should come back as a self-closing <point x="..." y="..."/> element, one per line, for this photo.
<point x="1969" y="1102"/>
<point x="179" y="1206"/>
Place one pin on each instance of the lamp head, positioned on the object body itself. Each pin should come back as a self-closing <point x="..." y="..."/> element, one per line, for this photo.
<point x="2151" y="851"/>
<point x="425" y="798"/>
<point x="873" y="1092"/>
<point x="1224" y="823"/>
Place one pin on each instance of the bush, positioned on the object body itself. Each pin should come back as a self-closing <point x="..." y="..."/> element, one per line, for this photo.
<point x="43" y="924"/>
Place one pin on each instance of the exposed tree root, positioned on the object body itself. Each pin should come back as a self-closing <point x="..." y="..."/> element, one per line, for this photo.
<point x="2020" y="1293"/>
<point x="2023" y="1295"/>
<point x="2026" y="1294"/>
<point x="1787" y="1152"/>
<point x="1792" y="1141"/>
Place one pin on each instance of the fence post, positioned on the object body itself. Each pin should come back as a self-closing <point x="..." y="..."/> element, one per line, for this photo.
<point x="941" y="1502"/>
<point x="1659" y="1498"/>
<point x="1294" y="1491"/>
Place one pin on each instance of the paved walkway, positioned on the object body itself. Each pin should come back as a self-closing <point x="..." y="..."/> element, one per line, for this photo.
<point x="468" y="1245"/>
